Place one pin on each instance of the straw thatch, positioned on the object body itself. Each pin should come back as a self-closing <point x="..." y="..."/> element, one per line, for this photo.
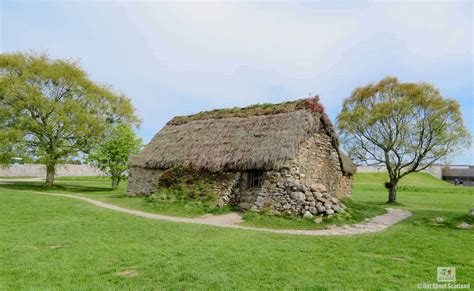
<point x="347" y="165"/>
<point x="235" y="139"/>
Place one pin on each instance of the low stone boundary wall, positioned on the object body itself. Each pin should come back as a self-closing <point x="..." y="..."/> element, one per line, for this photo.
<point x="38" y="170"/>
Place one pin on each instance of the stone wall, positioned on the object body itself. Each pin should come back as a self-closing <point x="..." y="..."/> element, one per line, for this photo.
<point x="318" y="162"/>
<point x="226" y="188"/>
<point x="142" y="181"/>
<point x="309" y="185"/>
<point x="344" y="187"/>
<point x="38" y="170"/>
<point x="283" y="194"/>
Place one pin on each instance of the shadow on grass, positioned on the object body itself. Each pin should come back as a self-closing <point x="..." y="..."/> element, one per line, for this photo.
<point x="40" y="186"/>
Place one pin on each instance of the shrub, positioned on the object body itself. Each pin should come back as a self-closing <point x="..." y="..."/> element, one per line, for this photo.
<point x="183" y="184"/>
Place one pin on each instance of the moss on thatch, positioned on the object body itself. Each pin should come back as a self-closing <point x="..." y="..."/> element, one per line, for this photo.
<point x="262" y="136"/>
<point x="252" y="110"/>
<point x="310" y="104"/>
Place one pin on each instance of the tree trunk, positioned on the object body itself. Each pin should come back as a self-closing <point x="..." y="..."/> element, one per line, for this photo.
<point x="392" y="191"/>
<point x="115" y="182"/>
<point x="392" y="195"/>
<point x="50" y="172"/>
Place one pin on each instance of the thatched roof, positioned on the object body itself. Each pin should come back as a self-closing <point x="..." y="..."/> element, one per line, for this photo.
<point x="255" y="137"/>
<point x="347" y="165"/>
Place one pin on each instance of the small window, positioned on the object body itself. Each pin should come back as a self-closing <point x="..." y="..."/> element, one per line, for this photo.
<point x="255" y="178"/>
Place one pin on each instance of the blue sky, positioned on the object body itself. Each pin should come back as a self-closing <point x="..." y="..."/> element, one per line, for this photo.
<point x="175" y="58"/>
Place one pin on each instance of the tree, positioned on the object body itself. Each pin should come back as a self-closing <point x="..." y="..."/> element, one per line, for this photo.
<point x="49" y="109"/>
<point x="405" y="126"/>
<point x="113" y="154"/>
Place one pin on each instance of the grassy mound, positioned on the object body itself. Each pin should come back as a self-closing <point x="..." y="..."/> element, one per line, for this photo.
<point x="190" y="191"/>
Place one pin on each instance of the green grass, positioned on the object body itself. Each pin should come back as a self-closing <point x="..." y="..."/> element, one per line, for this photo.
<point x="55" y="243"/>
<point x="100" y="188"/>
<point x="355" y="212"/>
<point x="169" y="203"/>
<point x="172" y="202"/>
<point x="418" y="192"/>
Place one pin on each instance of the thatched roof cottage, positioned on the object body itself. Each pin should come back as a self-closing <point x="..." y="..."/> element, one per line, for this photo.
<point x="281" y="157"/>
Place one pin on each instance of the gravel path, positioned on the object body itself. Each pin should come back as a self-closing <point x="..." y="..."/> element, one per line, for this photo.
<point x="231" y="220"/>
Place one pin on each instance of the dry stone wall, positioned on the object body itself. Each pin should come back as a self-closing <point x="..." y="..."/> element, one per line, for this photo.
<point x="281" y="193"/>
<point x="310" y="184"/>
<point x="227" y="187"/>
<point x="142" y="181"/>
<point x="318" y="162"/>
<point x="344" y="187"/>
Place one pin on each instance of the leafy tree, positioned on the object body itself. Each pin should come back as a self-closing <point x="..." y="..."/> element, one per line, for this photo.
<point x="49" y="109"/>
<point x="406" y="126"/>
<point x="113" y="154"/>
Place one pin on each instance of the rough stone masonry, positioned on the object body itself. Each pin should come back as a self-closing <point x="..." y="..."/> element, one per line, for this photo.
<point x="310" y="184"/>
<point x="281" y="158"/>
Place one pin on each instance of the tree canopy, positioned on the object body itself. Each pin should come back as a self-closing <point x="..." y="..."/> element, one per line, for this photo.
<point x="114" y="152"/>
<point x="50" y="109"/>
<point x="405" y="126"/>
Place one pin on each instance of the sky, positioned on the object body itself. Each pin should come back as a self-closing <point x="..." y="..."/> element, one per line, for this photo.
<point x="177" y="58"/>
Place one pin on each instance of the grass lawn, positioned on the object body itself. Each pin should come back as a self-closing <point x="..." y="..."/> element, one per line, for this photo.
<point x="356" y="212"/>
<point x="58" y="243"/>
<point x="100" y="188"/>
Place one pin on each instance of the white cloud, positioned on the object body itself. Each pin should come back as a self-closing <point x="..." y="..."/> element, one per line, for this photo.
<point x="217" y="50"/>
<point x="178" y="58"/>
